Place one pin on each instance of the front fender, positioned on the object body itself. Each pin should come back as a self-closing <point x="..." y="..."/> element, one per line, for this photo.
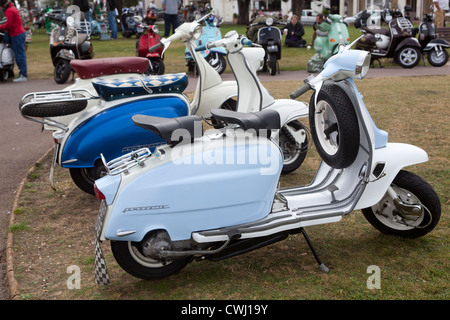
<point x="394" y="157"/>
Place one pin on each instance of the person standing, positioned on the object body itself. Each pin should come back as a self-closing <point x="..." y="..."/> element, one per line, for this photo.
<point x="112" y="14"/>
<point x="84" y="7"/>
<point x="170" y="8"/>
<point x="440" y="8"/>
<point x="16" y="36"/>
<point x="294" y="33"/>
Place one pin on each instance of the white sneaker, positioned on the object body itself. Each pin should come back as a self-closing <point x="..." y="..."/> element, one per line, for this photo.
<point x="20" y="78"/>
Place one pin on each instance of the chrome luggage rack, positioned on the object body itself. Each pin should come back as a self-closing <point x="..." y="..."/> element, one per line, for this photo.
<point x="48" y="97"/>
<point x="127" y="161"/>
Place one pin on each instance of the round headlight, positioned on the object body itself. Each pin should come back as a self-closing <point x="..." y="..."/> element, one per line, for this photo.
<point x="155" y="29"/>
<point x="70" y="21"/>
<point x="362" y="65"/>
<point x="230" y="34"/>
<point x="269" y="21"/>
<point x="197" y="32"/>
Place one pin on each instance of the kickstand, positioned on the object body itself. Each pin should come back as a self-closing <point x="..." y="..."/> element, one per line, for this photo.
<point x="321" y="265"/>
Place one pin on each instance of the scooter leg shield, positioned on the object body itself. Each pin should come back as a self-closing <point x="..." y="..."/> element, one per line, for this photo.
<point x="113" y="133"/>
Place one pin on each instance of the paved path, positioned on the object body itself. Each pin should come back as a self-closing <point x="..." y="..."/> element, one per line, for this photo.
<point x="23" y="143"/>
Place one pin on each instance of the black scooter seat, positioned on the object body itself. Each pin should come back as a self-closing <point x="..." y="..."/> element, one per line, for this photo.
<point x="374" y="31"/>
<point x="165" y="127"/>
<point x="262" y="120"/>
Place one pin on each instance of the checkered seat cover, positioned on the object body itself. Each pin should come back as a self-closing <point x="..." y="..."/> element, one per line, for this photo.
<point x="136" y="85"/>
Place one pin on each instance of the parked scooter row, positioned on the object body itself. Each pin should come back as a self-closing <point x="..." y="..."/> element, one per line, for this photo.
<point x="97" y="110"/>
<point x="161" y="210"/>
<point x="400" y="43"/>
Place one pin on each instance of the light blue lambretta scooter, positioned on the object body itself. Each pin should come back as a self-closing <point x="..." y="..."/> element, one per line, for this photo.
<point x="215" y="194"/>
<point x="214" y="56"/>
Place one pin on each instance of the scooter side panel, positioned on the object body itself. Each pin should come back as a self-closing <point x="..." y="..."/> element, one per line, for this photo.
<point x="113" y="133"/>
<point x="203" y="190"/>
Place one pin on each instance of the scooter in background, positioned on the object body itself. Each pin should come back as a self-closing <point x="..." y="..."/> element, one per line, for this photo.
<point x="146" y="41"/>
<point x="269" y="37"/>
<point x="68" y="43"/>
<point x="331" y="33"/>
<point x="432" y="47"/>
<point x="130" y="21"/>
<point x="214" y="56"/>
<point x="181" y="203"/>
<point x="6" y="57"/>
<point x="397" y="42"/>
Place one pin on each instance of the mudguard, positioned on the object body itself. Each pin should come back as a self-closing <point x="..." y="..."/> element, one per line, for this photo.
<point x="436" y="42"/>
<point x="113" y="133"/>
<point x="410" y="42"/>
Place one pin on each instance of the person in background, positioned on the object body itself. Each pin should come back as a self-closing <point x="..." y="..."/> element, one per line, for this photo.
<point x="112" y="14"/>
<point x="440" y="8"/>
<point x="16" y="36"/>
<point x="84" y="7"/>
<point x="294" y="33"/>
<point x="319" y="20"/>
<point x="170" y="8"/>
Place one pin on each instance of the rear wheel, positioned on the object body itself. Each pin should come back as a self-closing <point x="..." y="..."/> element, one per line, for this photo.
<point x="4" y="75"/>
<point x="85" y="178"/>
<point x="62" y="71"/>
<point x="416" y="215"/>
<point x="334" y="126"/>
<point x="130" y="256"/>
<point x="408" y="57"/>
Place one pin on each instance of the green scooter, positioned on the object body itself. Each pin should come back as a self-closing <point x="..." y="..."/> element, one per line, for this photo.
<point x="331" y="32"/>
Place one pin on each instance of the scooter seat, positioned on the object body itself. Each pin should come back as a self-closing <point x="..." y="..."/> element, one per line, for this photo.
<point x="92" y="68"/>
<point x="382" y="31"/>
<point x="165" y="127"/>
<point x="136" y="85"/>
<point x="266" y="119"/>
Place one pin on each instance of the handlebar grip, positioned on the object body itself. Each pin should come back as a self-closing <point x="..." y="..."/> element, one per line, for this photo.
<point x="155" y="47"/>
<point x="246" y="42"/>
<point x="303" y="89"/>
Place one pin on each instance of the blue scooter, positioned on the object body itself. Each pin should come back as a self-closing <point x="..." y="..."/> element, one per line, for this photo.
<point x="214" y="56"/>
<point x="106" y="123"/>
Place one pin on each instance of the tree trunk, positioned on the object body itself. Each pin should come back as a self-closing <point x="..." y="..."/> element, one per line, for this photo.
<point x="297" y="7"/>
<point x="243" y="6"/>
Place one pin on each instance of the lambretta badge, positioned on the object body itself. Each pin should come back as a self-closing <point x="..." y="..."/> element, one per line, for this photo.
<point x="147" y="208"/>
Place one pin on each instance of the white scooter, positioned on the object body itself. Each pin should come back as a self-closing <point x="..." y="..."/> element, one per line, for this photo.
<point x="215" y="195"/>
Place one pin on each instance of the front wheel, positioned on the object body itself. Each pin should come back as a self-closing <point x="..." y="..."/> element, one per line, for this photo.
<point x="294" y="152"/>
<point x="130" y="257"/>
<point x="334" y="126"/>
<point x="217" y="61"/>
<point x="156" y="67"/>
<point x="272" y="64"/>
<point x="438" y="58"/>
<point x="62" y="71"/>
<point x="408" y="57"/>
<point x="414" y="213"/>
